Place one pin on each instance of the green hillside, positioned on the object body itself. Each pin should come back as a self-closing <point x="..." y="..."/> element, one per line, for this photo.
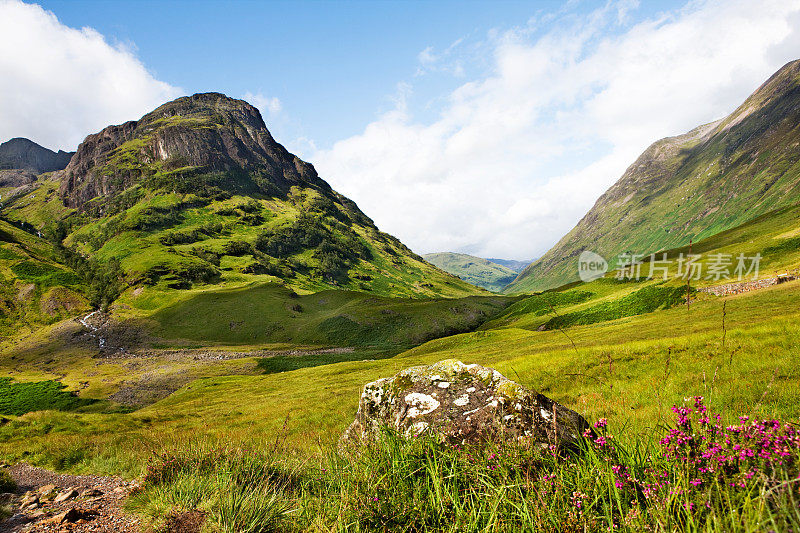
<point x="624" y="350"/>
<point x="630" y="365"/>
<point x="34" y="287"/>
<point x="198" y="193"/>
<point x="476" y="270"/>
<point x="716" y="177"/>
<point x="513" y="264"/>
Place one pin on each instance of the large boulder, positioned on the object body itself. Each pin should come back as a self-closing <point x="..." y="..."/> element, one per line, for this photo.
<point x="461" y="403"/>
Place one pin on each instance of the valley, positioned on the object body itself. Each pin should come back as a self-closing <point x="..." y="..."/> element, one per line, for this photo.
<point x="190" y="309"/>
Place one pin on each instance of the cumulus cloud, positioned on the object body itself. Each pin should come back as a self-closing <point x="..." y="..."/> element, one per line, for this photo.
<point x="517" y="157"/>
<point x="59" y="84"/>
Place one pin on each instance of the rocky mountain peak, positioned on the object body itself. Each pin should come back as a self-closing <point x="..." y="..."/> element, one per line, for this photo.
<point x="23" y="154"/>
<point x="206" y="141"/>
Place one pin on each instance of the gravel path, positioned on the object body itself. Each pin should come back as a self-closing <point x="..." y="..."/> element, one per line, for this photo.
<point x="46" y="501"/>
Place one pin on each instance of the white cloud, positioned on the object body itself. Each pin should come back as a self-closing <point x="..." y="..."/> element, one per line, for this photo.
<point x="445" y="61"/>
<point x="516" y="158"/>
<point x="268" y="105"/>
<point x="58" y="84"/>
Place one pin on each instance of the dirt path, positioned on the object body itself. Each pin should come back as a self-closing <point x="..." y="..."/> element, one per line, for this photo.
<point x="46" y="501"/>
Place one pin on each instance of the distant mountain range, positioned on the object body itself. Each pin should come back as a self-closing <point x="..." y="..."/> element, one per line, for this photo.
<point x="513" y="264"/>
<point x="491" y="274"/>
<point x="713" y="178"/>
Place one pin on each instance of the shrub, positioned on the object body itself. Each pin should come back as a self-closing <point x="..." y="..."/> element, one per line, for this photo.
<point x="105" y="281"/>
<point x="238" y="248"/>
<point x="7" y="483"/>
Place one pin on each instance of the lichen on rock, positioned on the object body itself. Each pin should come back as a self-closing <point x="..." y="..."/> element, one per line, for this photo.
<point x="460" y="403"/>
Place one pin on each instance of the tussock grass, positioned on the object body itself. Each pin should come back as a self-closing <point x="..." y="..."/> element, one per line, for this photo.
<point x="398" y="484"/>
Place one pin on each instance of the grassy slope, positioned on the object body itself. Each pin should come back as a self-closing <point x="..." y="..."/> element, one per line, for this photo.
<point x="773" y="235"/>
<point x="34" y="288"/>
<point x="227" y="331"/>
<point x="475" y="270"/>
<point x="632" y="369"/>
<point x="269" y="313"/>
<point x="138" y="237"/>
<point x="694" y="186"/>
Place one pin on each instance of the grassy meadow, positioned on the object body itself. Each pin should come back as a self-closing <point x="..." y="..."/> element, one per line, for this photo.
<point x="266" y="378"/>
<point x="282" y="428"/>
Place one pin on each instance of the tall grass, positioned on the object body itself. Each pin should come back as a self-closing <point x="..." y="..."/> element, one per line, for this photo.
<point x="240" y="490"/>
<point x="699" y="476"/>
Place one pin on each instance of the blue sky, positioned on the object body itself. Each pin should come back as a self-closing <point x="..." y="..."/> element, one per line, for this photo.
<point x="334" y="66"/>
<point x="480" y="127"/>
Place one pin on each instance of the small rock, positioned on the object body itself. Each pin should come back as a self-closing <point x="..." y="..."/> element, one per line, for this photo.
<point x="71" y="516"/>
<point x="37" y="514"/>
<point x="6" y="498"/>
<point x="91" y="493"/>
<point x="31" y="506"/>
<point x="44" y="490"/>
<point x="28" y="498"/>
<point x="66" y="495"/>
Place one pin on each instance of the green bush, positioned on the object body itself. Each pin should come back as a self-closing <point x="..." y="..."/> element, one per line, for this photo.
<point x="238" y="248"/>
<point x="7" y="483"/>
<point x="105" y="281"/>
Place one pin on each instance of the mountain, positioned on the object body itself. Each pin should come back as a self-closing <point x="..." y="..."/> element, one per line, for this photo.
<point x="476" y="270"/>
<point x="713" y="178"/>
<point x="201" y="143"/>
<point x="24" y="154"/>
<point x="513" y="264"/>
<point x="198" y="194"/>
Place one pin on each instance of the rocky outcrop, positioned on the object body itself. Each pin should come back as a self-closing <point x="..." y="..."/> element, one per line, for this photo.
<point x="16" y="178"/>
<point x="206" y="139"/>
<point x="461" y="403"/>
<point x="24" y="154"/>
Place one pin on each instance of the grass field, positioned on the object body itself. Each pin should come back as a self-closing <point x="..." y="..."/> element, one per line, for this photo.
<point x="630" y="370"/>
<point x="623" y="350"/>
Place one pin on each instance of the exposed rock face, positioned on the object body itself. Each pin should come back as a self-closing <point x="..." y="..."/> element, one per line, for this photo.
<point x="461" y="403"/>
<point x="16" y="178"/>
<point x="205" y="138"/>
<point x="24" y="154"/>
